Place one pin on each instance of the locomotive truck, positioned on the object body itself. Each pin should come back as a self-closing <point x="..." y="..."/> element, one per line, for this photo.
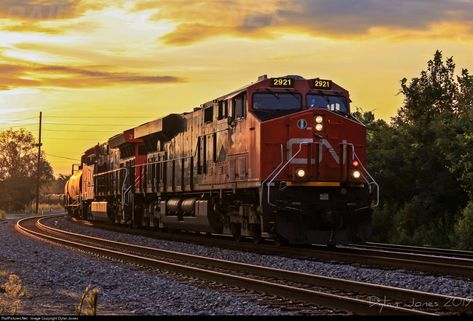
<point x="281" y="158"/>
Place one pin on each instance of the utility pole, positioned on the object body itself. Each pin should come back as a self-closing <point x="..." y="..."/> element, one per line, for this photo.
<point x="39" y="163"/>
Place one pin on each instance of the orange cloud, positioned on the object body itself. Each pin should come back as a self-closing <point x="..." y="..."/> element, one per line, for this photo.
<point x="332" y="19"/>
<point x="27" y="15"/>
<point x="192" y="32"/>
<point x="11" y="76"/>
<point x="205" y="19"/>
<point x="22" y="75"/>
<point x="39" y="9"/>
<point x="200" y="20"/>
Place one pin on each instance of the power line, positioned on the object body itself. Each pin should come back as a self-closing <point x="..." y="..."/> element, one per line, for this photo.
<point x="77" y="139"/>
<point x="18" y="122"/>
<point x="80" y="131"/>
<point x="17" y="126"/>
<point x="102" y="117"/>
<point x="22" y="119"/>
<point x="68" y="124"/>
<point x="63" y="157"/>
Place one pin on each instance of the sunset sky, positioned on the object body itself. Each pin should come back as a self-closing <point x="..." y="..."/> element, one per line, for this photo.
<point x="97" y="67"/>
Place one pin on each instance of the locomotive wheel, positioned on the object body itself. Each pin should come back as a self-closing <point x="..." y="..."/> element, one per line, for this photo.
<point x="236" y="231"/>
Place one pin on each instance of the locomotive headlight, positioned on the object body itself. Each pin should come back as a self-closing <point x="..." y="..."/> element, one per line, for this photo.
<point x="319" y="119"/>
<point x="356" y="174"/>
<point x="319" y="127"/>
<point x="300" y="173"/>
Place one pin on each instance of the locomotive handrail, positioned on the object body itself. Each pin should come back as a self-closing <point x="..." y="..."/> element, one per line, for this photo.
<point x="371" y="180"/>
<point x="162" y="161"/>
<point x="280" y="170"/>
<point x="111" y="171"/>
<point x="264" y="181"/>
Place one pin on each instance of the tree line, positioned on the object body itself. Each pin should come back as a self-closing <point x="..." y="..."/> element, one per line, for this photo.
<point x="18" y="171"/>
<point x="423" y="160"/>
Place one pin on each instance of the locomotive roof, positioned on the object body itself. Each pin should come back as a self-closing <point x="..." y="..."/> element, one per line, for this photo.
<point x="259" y="80"/>
<point x="165" y="128"/>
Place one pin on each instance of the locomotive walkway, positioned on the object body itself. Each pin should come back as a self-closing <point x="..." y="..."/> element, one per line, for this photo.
<point x="351" y="296"/>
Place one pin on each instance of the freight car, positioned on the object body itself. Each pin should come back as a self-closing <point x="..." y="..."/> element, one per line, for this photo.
<point x="280" y="158"/>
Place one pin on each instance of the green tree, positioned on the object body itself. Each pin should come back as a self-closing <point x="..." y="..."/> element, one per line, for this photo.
<point x="56" y="186"/>
<point x="464" y="229"/>
<point x="430" y="96"/>
<point x="18" y="169"/>
<point x="423" y="159"/>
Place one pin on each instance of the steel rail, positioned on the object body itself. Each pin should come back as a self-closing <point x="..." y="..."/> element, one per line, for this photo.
<point x="417" y="261"/>
<point x="425" y="263"/>
<point x="416" y="249"/>
<point x="309" y="296"/>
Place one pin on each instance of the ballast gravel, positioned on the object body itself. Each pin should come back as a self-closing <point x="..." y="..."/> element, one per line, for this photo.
<point x="56" y="277"/>
<point x="420" y="281"/>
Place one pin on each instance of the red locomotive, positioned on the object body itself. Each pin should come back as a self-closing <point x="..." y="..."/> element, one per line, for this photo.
<point x="281" y="158"/>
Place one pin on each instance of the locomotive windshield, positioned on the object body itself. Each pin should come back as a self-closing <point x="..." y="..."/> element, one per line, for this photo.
<point x="333" y="103"/>
<point x="271" y="101"/>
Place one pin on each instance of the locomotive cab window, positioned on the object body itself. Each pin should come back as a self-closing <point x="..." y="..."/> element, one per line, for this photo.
<point x="239" y="106"/>
<point x="222" y="110"/>
<point x="208" y="114"/>
<point x="267" y="105"/>
<point x="272" y="101"/>
<point x="332" y="103"/>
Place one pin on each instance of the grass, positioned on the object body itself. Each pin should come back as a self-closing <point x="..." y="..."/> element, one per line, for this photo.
<point x="45" y="208"/>
<point x="90" y="296"/>
<point x="42" y="209"/>
<point x="11" y="293"/>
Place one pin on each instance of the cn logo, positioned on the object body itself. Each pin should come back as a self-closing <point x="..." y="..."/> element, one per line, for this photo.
<point x="323" y="145"/>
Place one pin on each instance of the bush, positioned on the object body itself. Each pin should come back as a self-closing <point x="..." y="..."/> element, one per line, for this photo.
<point x="464" y="229"/>
<point x="383" y="223"/>
<point x="13" y="291"/>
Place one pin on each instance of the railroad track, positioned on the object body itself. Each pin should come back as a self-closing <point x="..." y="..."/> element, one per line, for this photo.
<point x="438" y="264"/>
<point x="416" y="249"/>
<point x="312" y="290"/>
<point x="392" y="259"/>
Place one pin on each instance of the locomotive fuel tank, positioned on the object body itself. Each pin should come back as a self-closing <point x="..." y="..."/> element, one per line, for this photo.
<point x="188" y="214"/>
